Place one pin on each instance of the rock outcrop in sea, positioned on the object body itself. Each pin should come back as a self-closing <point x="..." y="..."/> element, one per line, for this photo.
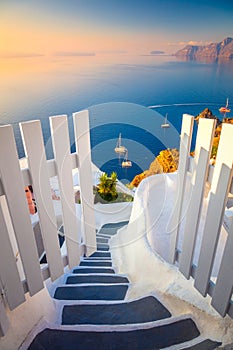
<point x="221" y="50"/>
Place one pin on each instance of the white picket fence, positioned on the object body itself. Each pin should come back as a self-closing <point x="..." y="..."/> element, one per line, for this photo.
<point x="18" y="250"/>
<point x="219" y="178"/>
<point x="17" y="232"/>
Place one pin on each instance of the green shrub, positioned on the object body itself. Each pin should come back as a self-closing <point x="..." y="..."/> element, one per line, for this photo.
<point x="106" y="192"/>
<point x="107" y="187"/>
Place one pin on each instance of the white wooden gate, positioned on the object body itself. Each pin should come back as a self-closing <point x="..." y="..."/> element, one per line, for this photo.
<point x="20" y="270"/>
<point x="219" y="178"/>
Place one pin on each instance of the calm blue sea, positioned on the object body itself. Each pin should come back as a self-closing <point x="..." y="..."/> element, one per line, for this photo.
<point x="117" y="90"/>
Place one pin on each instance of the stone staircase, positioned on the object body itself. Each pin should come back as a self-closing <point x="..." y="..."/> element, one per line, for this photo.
<point x="96" y="315"/>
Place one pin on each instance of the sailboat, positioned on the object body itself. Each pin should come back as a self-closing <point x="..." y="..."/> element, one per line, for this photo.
<point x="225" y="109"/>
<point x="126" y="163"/>
<point x="119" y="148"/>
<point x="165" y="124"/>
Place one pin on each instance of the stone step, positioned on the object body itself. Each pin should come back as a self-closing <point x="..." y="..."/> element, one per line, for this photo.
<point x="111" y="229"/>
<point x="102" y="240"/>
<point x="157" y="337"/>
<point x="103" y="247"/>
<point x="81" y="270"/>
<point x="139" y="311"/>
<point x="93" y="292"/>
<point x="102" y="235"/>
<point x="101" y="254"/>
<point x="206" y="344"/>
<point x="94" y="263"/>
<point x="98" y="258"/>
<point x="96" y="279"/>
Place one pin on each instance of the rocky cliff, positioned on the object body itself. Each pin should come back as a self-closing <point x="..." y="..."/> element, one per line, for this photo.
<point x="166" y="162"/>
<point x="223" y="49"/>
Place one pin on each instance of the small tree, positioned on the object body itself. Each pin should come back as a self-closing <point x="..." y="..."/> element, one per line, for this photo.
<point x="107" y="186"/>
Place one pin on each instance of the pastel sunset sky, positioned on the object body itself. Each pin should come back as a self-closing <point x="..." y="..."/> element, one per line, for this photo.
<point x="86" y="27"/>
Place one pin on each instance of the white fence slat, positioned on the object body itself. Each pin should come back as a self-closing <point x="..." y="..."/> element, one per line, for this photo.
<point x="18" y="208"/>
<point x="83" y="149"/>
<point x="185" y="143"/>
<point x="4" y="321"/>
<point x="9" y="275"/>
<point x="61" y="147"/>
<point x="203" y="148"/>
<point x="74" y="160"/>
<point x="217" y="202"/>
<point x="34" y="149"/>
<point x="223" y="289"/>
<point x="1" y="188"/>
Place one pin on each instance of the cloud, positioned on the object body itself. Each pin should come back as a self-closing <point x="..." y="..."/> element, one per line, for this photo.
<point x="73" y="54"/>
<point x="193" y="42"/>
<point x="190" y="42"/>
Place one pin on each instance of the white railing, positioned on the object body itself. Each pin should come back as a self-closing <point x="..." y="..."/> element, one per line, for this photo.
<point x="219" y="179"/>
<point x="20" y="270"/>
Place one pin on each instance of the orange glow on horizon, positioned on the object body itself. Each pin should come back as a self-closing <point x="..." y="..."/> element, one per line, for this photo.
<point x="19" y="38"/>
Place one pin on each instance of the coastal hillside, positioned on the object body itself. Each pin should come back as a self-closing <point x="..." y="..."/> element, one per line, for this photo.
<point x="165" y="162"/>
<point x="223" y="49"/>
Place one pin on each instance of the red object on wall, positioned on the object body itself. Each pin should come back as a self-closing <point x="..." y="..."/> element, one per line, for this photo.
<point x="31" y="203"/>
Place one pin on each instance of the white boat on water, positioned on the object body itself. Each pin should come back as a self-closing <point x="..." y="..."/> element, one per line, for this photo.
<point x="126" y="163"/>
<point x="165" y="124"/>
<point x="119" y="148"/>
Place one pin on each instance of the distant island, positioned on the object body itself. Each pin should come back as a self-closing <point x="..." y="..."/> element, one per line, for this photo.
<point x="156" y="52"/>
<point x="221" y="50"/>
